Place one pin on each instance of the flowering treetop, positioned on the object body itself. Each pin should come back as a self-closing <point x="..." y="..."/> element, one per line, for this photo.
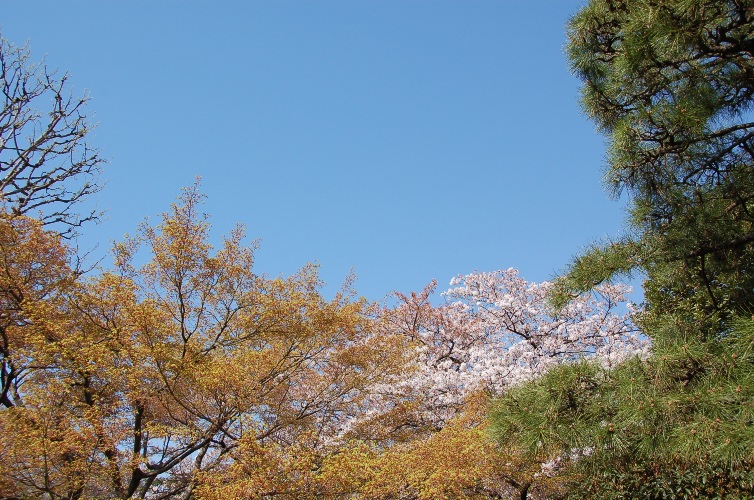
<point x="495" y="330"/>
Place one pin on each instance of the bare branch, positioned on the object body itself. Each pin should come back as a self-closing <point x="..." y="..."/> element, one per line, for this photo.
<point x="46" y="166"/>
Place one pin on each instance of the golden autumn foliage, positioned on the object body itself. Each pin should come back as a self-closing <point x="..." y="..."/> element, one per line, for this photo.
<point x="459" y="461"/>
<point x="131" y="382"/>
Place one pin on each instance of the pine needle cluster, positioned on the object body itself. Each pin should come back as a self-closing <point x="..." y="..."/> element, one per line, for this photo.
<point x="669" y="83"/>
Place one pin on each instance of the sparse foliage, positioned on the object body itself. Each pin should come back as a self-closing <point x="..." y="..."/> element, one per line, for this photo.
<point x="47" y="167"/>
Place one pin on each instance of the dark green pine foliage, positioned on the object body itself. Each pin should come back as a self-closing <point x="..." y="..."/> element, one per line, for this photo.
<point x="671" y="84"/>
<point x="645" y="430"/>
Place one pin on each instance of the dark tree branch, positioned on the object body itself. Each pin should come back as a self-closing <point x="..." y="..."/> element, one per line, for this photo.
<point x="46" y="166"/>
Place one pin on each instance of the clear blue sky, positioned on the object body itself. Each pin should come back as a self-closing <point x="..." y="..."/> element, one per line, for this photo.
<point x="408" y="140"/>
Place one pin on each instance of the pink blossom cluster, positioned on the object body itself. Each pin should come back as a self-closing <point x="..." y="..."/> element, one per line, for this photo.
<point x="496" y="329"/>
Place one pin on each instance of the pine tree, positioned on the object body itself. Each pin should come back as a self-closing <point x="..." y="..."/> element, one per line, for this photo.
<point x="670" y="82"/>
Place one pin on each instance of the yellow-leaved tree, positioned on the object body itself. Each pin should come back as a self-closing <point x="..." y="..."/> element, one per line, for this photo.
<point x="133" y="382"/>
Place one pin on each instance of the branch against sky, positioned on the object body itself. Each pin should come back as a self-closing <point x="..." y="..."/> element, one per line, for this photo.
<point x="46" y="165"/>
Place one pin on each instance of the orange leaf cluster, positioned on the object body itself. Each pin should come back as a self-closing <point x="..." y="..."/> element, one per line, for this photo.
<point x="134" y="381"/>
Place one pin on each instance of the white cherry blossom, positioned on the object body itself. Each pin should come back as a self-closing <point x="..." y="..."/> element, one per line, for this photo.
<point x="496" y="329"/>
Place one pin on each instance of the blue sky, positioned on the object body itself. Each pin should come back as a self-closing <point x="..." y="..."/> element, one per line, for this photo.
<point x="408" y="140"/>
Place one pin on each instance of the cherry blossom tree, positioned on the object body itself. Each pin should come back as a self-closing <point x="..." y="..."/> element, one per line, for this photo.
<point x="495" y="330"/>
